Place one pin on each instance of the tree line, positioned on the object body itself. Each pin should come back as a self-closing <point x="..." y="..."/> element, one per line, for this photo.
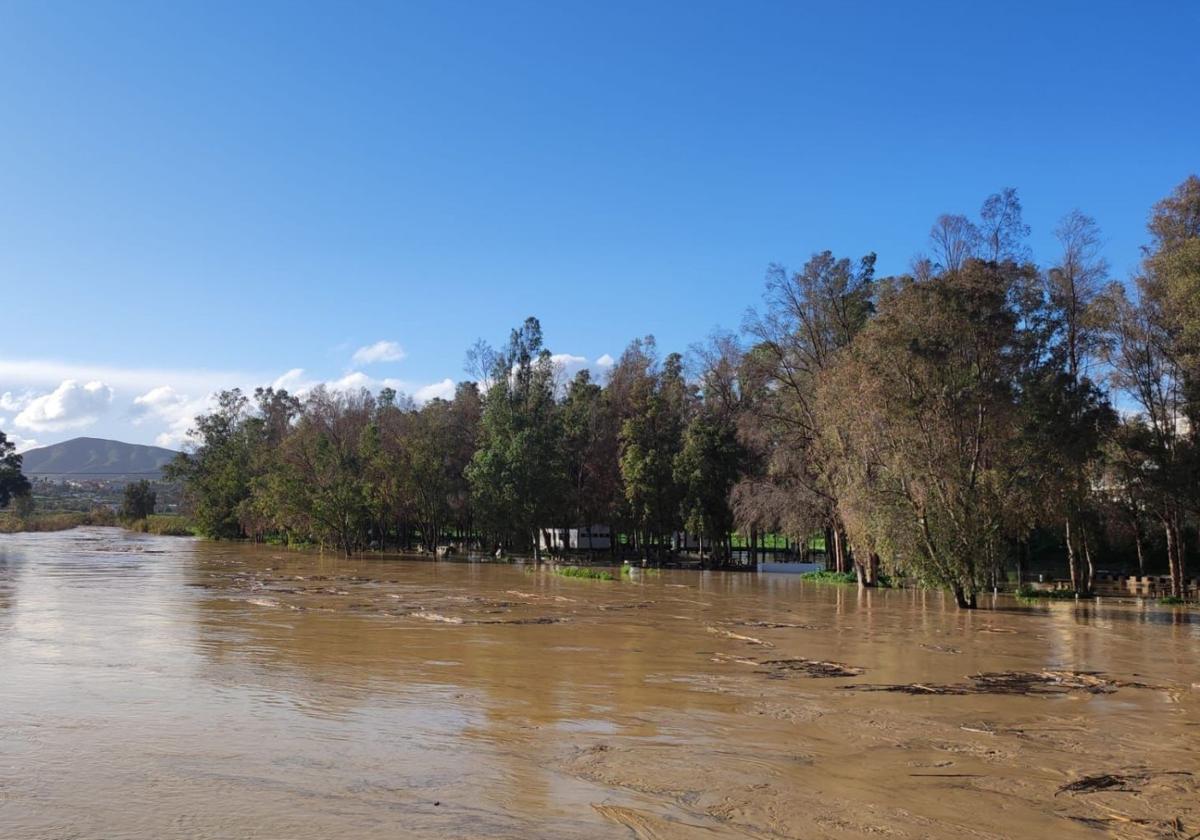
<point x="950" y="425"/>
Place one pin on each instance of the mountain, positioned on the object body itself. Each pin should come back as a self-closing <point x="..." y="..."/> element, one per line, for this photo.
<point x="96" y="457"/>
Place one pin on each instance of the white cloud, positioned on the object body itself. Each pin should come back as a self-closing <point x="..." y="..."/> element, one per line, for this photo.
<point x="15" y="402"/>
<point x="145" y="405"/>
<point x="38" y="374"/>
<point x="167" y="406"/>
<point x="606" y="361"/>
<point x="69" y="406"/>
<point x="23" y="444"/>
<point x="567" y="364"/>
<point x="380" y="351"/>
<point x="437" y="390"/>
<point x="294" y="382"/>
<point x="156" y="399"/>
<point x="351" y="382"/>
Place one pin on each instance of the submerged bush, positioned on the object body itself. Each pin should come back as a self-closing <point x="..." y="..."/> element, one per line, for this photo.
<point x="1031" y="594"/>
<point x="584" y="572"/>
<point x="164" y="525"/>
<point x="843" y="578"/>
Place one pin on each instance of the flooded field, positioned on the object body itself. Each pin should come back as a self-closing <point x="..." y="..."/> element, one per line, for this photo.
<point x="169" y="688"/>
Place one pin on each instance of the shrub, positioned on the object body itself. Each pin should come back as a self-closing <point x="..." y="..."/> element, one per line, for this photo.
<point x="584" y="572"/>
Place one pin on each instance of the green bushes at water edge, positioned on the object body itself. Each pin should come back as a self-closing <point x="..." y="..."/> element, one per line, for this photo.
<point x="164" y="525"/>
<point x="842" y="578"/>
<point x="584" y="572"/>
<point x="11" y="523"/>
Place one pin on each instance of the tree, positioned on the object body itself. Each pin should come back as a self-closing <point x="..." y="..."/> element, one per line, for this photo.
<point x="139" y="500"/>
<point x="12" y="481"/>
<point x="1154" y="361"/>
<point x="706" y="468"/>
<point x="217" y="473"/>
<point x="651" y="438"/>
<point x="926" y="405"/>
<point x="810" y="318"/>
<point x="318" y="489"/>
<point x="590" y="452"/>
<point x="516" y="474"/>
<point x="1072" y="411"/>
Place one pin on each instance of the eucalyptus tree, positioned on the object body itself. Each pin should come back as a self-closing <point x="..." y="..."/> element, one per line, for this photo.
<point x="1072" y="409"/>
<point x="516" y="475"/>
<point x="651" y="438"/>
<point x="1155" y="363"/>
<point x="591" y="448"/>
<point x="927" y="406"/>
<point x="809" y="318"/>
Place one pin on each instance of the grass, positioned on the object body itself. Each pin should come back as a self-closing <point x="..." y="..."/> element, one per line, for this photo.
<point x="1031" y="594"/>
<point x="843" y="578"/>
<point x="830" y="577"/>
<point x="164" y="525"/>
<point x="59" y="521"/>
<point x="584" y="572"/>
<point x="1171" y="601"/>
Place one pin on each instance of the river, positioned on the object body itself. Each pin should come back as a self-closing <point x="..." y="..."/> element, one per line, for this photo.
<point x="157" y="687"/>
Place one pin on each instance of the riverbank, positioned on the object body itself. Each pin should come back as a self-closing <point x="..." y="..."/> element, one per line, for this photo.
<point x="167" y="525"/>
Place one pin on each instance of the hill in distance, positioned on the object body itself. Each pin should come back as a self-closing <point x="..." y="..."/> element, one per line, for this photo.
<point x="86" y="457"/>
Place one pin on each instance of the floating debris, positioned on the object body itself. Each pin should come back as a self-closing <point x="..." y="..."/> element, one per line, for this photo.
<point x="432" y="616"/>
<point x="813" y="667"/>
<point x="1118" y="782"/>
<point x="729" y="634"/>
<point x="1015" y="682"/>
<point x="776" y="625"/>
<point x="780" y="668"/>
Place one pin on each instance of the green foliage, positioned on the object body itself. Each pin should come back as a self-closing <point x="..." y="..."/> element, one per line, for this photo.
<point x="139" y="501"/>
<point x="706" y="469"/>
<point x="164" y="525"/>
<point x="1172" y="601"/>
<point x="12" y="481"/>
<point x="942" y="426"/>
<point x="823" y="576"/>
<point x="843" y="578"/>
<point x="1031" y="594"/>
<point x="585" y="572"/>
<point x="517" y="474"/>
<point x="64" y="521"/>
<point x="651" y="439"/>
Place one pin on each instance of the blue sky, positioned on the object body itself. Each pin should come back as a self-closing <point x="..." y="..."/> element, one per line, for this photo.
<point x="209" y="194"/>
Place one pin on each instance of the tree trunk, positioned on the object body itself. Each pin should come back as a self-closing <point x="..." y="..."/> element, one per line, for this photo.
<point x="1072" y="561"/>
<point x="1091" y="567"/>
<point x="1137" y="541"/>
<point x="1175" y="554"/>
<point x="839" y="556"/>
<point x="964" y="600"/>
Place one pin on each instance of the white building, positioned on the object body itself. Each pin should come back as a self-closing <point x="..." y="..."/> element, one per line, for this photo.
<point x="587" y="538"/>
<point x="685" y="541"/>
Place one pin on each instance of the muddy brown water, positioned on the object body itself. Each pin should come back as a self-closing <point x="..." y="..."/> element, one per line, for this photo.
<point x="169" y="688"/>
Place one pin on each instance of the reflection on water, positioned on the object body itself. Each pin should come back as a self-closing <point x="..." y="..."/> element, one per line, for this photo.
<point x="167" y="688"/>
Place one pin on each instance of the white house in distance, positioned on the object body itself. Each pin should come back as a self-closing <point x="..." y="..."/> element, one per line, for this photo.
<point x="587" y="538"/>
<point x="685" y="541"/>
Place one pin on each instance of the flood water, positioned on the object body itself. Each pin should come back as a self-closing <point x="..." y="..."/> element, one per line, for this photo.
<point x="157" y="687"/>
